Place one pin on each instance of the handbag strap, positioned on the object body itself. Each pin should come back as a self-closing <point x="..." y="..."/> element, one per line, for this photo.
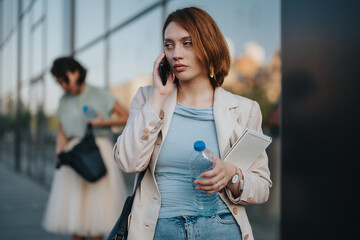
<point x="123" y="225"/>
<point x="140" y="177"/>
<point x="89" y="129"/>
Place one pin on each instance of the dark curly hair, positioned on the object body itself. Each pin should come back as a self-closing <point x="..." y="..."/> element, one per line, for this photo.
<point x="64" y="64"/>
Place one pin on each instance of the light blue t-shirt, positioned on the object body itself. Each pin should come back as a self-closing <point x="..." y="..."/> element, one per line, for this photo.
<point x="70" y="111"/>
<point x="172" y="173"/>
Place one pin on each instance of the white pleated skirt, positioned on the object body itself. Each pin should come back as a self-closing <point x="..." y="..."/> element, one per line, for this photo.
<point x="76" y="206"/>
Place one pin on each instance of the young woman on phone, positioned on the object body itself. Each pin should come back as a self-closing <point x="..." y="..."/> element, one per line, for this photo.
<point x="165" y="121"/>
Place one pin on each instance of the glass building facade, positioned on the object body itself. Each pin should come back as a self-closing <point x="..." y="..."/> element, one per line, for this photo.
<point x="118" y="41"/>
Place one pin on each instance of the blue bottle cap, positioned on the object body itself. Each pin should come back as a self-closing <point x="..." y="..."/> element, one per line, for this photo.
<point x="199" y="146"/>
<point x="85" y="108"/>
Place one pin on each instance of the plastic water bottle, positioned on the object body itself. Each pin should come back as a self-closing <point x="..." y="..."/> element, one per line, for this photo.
<point x="201" y="160"/>
<point x="89" y="112"/>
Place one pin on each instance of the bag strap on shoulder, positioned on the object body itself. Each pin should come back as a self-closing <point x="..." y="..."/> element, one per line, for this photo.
<point x="140" y="177"/>
<point x="121" y="232"/>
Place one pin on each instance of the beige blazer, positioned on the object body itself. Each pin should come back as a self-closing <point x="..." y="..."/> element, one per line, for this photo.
<point x="138" y="148"/>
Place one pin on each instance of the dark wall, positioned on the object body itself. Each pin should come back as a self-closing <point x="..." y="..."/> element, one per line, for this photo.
<point x="320" y="119"/>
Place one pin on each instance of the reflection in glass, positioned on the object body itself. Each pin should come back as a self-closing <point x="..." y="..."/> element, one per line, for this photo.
<point x="10" y="9"/>
<point x="120" y="11"/>
<point x="9" y="68"/>
<point x="25" y="4"/>
<point x="25" y="46"/>
<point x="37" y="128"/>
<point x="53" y="93"/>
<point x="89" y="21"/>
<point x="134" y="48"/>
<point x="55" y="36"/>
<point x="133" y="52"/>
<point x="38" y="48"/>
<point x="93" y="60"/>
<point x="37" y="10"/>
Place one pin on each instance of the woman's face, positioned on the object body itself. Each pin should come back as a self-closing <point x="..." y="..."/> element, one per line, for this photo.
<point x="180" y="54"/>
<point x="71" y="87"/>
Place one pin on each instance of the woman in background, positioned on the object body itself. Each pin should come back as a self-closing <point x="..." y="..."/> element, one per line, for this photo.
<point x="75" y="206"/>
<point x="165" y="121"/>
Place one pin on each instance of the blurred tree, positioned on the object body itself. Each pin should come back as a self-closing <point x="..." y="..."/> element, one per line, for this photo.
<point x="257" y="81"/>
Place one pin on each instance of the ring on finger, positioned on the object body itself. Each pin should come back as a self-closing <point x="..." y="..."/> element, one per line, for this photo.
<point x="219" y="187"/>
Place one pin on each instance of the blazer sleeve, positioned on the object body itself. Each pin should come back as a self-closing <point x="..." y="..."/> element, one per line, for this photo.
<point x="257" y="182"/>
<point x="134" y="147"/>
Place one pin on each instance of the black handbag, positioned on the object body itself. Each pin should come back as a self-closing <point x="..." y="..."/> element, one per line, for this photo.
<point x="85" y="158"/>
<point x="120" y="229"/>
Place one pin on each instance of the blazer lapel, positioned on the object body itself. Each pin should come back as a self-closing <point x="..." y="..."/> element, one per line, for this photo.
<point x="225" y="117"/>
<point x="168" y="108"/>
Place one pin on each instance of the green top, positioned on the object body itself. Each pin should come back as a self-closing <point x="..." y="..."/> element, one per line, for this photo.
<point x="70" y="111"/>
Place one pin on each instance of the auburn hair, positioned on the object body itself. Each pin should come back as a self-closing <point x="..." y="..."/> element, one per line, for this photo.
<point x="208" y="42"/>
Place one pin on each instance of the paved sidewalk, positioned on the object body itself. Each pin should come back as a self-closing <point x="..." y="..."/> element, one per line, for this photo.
<point x="22" y="204"/>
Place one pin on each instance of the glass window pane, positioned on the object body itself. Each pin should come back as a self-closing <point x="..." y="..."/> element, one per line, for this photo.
<point x="93" y="60"/>
<point x="25" y="96"/>
<point x="135" y="48"/>
<point x="25" y="4"/>
<point x="36" y="98"/>
<point x="2" y="22"/>
<point x="9" y="76"/>
<point x="37" y="123"/>
<point x="89" y="21"/>
<point x="133" y="52"/>
<point x="37" y="10"/>
<point x="37" y="60"/>
<point x="25" y="49"/>
<point x="123" y="10"/>
<point x="53" y="93"/>
<point x="13" y="61"/>
<point x="10" y="13"/>
<point x="55" y="17"/>
<point x="5" y="70"/>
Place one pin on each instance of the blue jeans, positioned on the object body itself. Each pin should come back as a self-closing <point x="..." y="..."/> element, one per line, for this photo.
<point x="220" y="226"/>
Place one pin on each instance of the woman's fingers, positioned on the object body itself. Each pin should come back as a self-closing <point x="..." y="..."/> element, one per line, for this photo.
<point x="211" y="185"/>
<point x="215" y="186"/>
<point x="213" y="180"/>
<point x="156" y="75"/>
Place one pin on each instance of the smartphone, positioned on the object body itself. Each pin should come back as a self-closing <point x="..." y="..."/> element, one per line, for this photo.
<point x="164" y="70"/>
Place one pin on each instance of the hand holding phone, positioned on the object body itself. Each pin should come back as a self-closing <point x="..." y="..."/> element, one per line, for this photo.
<point x="164" y="70"/>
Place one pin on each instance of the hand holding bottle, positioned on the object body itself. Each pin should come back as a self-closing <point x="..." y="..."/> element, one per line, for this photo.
<point x="218" y="178"/>
<point x="214" y="180"/>
<point x="94" y="117"/>
<point x="201" y="160"/>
